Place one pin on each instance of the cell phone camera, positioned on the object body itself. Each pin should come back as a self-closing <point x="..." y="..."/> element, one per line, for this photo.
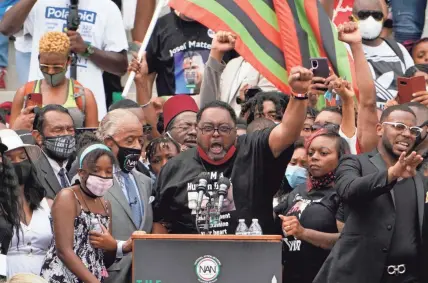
<point x="314" y="64"/>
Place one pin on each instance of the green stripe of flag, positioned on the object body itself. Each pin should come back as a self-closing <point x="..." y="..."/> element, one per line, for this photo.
<point x="265" y="12"/>
<point x="304" y="23"/>
<point x="343" y="64"/>
<point x="237" y="27"/>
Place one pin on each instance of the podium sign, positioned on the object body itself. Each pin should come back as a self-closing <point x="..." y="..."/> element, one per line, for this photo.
<point x="206" y="259"/>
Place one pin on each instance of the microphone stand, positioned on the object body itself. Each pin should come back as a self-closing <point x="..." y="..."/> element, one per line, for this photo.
<point x="73" y="22"/>
<point x="208" y="214"/>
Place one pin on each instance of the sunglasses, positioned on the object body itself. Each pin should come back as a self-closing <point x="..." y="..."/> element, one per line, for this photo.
<point x="328" y="126"/>
<point x="414" y="131"/>
<point x="365" y="14"/>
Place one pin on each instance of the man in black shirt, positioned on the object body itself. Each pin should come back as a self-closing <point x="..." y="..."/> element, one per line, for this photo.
<point x="177" y="53"/>
<point x="255" y="167"/>
<point x="384" y="196"/>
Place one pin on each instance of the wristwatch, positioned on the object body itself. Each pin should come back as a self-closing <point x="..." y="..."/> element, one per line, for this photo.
<point x="89" y="51"/>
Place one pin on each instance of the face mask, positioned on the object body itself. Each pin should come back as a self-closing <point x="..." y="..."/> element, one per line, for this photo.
<point x="23" y="171"/>
<point x="296" y="175"/>
<point x="370" y="28"/>
<point x="127" y="157"/>
<point x="55" y="79"/>
<point x="98" y="186"/>
<point x="60" y="148"/>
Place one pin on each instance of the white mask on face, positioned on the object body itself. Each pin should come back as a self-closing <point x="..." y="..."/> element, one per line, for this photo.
<point x="370" y="28"/>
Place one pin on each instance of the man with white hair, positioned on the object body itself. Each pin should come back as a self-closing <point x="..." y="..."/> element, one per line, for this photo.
<point x="130" y="196"/>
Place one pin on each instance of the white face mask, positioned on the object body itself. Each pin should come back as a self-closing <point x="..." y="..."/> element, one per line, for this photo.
<point x="370" y="28"/>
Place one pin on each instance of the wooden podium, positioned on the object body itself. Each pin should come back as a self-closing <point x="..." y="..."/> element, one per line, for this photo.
<point x="173" y="258"/>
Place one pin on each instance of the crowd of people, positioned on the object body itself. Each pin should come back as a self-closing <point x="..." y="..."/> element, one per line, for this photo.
<point x="345" y="184"/>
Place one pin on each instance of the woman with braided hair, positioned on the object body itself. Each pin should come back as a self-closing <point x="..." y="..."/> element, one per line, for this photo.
<point x="54" y="59"/>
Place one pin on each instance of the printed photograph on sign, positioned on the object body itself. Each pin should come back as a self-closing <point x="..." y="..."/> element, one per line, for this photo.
<point x="189" y="70"/>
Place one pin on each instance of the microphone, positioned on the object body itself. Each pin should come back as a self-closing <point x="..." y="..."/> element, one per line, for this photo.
<point x="224" y="185"/>
<point x="202" y="187"/>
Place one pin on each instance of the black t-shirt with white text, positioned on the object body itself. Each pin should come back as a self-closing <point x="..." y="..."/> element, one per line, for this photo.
<point x="315" y="210"/>
<point x="255" y="177"/>
<point x="177" y="52"/>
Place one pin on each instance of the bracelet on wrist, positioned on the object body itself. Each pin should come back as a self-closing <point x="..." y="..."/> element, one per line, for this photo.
<point x="300" y="96"/>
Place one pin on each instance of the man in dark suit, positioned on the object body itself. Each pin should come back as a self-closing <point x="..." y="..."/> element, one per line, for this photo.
<point x="385" y="196"/>
<point x="130" y="196"/>
<point x="54" y="133"/>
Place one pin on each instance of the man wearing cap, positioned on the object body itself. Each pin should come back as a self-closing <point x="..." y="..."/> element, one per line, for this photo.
<point x="179" y="114"/>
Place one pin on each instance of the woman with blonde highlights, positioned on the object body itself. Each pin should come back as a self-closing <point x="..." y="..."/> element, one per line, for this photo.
<point x="54" y="59"/>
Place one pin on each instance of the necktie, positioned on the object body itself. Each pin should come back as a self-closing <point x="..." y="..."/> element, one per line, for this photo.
<point x="134" y="201"/>
<point x="63" y="178"/>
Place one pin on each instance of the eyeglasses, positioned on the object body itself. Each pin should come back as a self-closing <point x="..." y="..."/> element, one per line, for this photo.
<point x="223" y="130"/>
<point x="364" y="14"/>
<point x="57" y="68"/>
<point x="414" y="131"/>
<point x="328" y="126"/>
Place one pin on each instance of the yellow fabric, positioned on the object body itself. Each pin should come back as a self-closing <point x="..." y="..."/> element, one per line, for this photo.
<point x="70" y="102"/>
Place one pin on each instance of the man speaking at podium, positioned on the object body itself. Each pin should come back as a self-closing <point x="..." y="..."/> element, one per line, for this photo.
<point x="255" y="166"/>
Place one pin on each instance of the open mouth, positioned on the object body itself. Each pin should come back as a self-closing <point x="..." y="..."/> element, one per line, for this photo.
<point x="216" y="148"/>
<point x="402" y="146"/>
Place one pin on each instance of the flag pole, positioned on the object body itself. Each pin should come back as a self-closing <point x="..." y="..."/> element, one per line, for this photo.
<point x="160" y="5"/>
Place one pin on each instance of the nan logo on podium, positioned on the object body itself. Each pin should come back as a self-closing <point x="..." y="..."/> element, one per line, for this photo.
<point x="207" y="269"/>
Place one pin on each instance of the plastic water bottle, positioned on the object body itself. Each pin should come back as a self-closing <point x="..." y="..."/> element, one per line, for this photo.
<point x="255" y="228"/>
<point x="95" y="225"/>
<point x="242" y="228"/>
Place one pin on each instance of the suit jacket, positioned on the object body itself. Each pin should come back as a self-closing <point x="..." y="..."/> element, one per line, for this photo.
<point x="46" y="176"/>
<point x="123" y="225"/>
<point x="361" y="252"/>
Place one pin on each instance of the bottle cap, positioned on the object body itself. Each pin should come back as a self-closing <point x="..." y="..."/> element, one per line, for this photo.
<point x="241" y="220"/>
<point x="255" y="220"/>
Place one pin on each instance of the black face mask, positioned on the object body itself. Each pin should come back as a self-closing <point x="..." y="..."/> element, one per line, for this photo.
<point x="23" y="171"/>
<point x="127" y="157"/>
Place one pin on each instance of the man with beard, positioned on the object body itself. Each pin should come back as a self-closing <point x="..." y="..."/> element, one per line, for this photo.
<point x="54" y="133"/>
<point x="255" y="166"/>
<point x="179" y="114"/>
<point x="385" y="196"/>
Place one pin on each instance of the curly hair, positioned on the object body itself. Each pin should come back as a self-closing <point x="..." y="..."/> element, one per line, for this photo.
<point x="9" y="195"/>
<point x="54" y="42"/>
<point x="279" y="99"/>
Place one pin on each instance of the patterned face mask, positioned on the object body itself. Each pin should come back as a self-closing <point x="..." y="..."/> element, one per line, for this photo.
<point x="59" y="148"/>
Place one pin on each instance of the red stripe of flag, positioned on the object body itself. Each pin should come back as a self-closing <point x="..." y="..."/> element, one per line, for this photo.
<point x="289" y="38"/>
<point x="311" y="10"/>
<point x="208" y="19"/>
<point x="268" y="31"/>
